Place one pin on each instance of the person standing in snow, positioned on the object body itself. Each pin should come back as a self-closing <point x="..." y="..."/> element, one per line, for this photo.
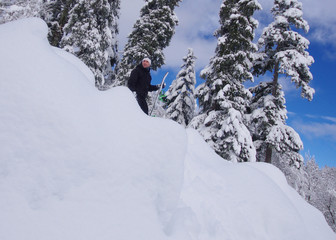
<point x="140" y="83"/>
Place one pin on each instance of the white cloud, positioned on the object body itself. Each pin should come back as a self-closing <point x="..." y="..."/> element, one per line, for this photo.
<point x="322" y="12"/>
<point x="322" y="20"/>
<point x="203" y="50"/>
<point x="324" y="118"/>
<point x="317" y="126"/>
<point x="332" y="119"/>
<point x="129" y="13"/>
<point x="198" y="19"/>
<point x="313" y="130"/>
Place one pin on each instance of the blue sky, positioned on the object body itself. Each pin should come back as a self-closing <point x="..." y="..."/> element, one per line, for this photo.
<point x="315" y="121"/>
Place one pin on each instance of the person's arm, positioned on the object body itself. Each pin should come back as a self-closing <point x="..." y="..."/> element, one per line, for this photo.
<point x="153" y="88"/>
<point x="156" y="87"/>
<point x="132" y="81"/>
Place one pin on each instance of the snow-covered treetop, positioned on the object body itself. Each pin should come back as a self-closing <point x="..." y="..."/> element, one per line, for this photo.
<point x="180" y="95"/>
<point x="283" y="50"/>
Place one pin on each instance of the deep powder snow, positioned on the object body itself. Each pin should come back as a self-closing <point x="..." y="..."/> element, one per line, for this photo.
<point x="77" y="163"/>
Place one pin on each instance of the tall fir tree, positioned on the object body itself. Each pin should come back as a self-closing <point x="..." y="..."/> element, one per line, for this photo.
<point x="181" y="94"/>
<point x="223" y="98"/>
<point x="88" y="35"/>
<point x="152" y="33"/>
<point x="283" y="52"/>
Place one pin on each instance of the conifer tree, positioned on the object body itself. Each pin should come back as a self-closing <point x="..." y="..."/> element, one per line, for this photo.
<point x="284" y="49"/>
<point x="114" y="27"/>
<point x="313" y="179"/>
<point x="88" y="35"/>
<point x="268" y="126"/>
<point x="181" y="94"/>
<point x="4" y="5"/>
<point x="223" y="98"/>
<point x="152" y="33"/>
<point x="283" y="52"/>
<point x="17" y="9"/>
<point x="56" y="18"/>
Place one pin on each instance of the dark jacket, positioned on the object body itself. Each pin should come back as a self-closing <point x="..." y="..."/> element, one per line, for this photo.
<point x="140" y="81"/>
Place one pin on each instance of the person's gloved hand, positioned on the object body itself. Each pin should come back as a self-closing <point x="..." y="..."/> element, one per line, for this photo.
<point x="163" y="86"/>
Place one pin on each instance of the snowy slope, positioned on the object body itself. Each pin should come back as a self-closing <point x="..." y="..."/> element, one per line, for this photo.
<point x="78" y="164"/>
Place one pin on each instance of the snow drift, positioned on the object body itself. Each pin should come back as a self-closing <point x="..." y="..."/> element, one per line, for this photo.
<point x="76" y="163"/>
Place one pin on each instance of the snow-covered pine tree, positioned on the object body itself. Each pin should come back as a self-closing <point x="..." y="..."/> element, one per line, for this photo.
<point x="282" y="51"/>
<point x="181" y="94"/>
<point x="16" y="9"/>
<point x="88" y="35"/>
<point x="223" y="98"/>
<point x="113" y="54"/>
<point x="267" y="124"/>
<point x="313" y="179"/>
<point x="56" y="18"/>
<point x="4" y="9"/>
<point x="151" y="33"/>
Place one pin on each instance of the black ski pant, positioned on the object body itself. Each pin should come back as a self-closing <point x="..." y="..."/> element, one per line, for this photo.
<point x="143" y="104"/>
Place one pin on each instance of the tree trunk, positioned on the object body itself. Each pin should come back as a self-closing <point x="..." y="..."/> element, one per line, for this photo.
<point x="268" y="158"/>
<point x="275" y="79"/>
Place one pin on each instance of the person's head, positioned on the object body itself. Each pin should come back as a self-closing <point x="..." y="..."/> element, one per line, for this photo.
<point x="146" y="62"/>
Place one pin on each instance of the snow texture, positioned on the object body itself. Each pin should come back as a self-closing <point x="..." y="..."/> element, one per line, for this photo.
<point x="77" y="163"/>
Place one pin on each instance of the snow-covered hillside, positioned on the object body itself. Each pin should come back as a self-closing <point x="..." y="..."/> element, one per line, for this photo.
<point x="80" y="164"/>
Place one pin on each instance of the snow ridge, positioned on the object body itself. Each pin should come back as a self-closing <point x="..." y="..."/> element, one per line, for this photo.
<point x="77" y="163"/>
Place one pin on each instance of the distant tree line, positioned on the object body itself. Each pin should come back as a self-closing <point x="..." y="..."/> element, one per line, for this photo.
<point x="240" y="124"/>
